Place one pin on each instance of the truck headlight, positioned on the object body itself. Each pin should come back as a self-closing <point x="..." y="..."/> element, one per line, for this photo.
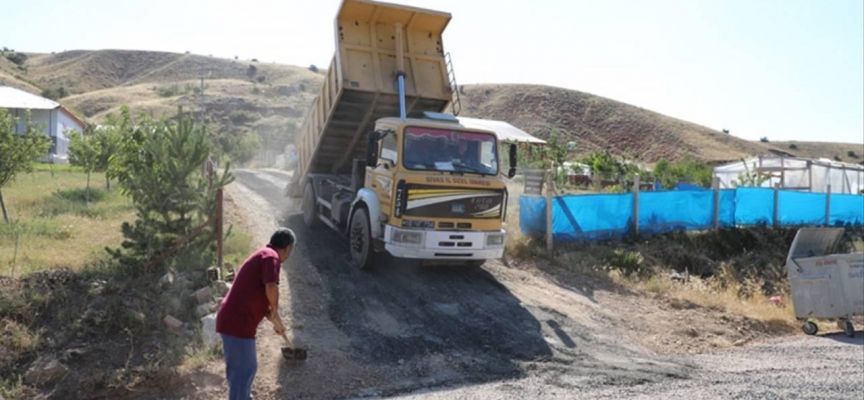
<point x="495" y="240"/>
<point x="408" y="237"/>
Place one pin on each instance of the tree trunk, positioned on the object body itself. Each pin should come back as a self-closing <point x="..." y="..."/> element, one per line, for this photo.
<point x="88" y="187"/>
<point x="107" y="183"/>
<point x="3" y="206"/>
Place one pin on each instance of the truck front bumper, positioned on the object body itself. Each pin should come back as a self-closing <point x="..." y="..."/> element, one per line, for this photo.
<point x="444" y="245"/>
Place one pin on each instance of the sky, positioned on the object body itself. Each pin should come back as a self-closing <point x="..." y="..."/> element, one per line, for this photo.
<point x="781" y="69"/>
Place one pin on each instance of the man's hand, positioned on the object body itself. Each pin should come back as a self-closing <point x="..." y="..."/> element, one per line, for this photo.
<point x="278" y="326"/>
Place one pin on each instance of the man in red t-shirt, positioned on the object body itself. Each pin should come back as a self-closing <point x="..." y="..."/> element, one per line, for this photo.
<point x="254" y="295"/>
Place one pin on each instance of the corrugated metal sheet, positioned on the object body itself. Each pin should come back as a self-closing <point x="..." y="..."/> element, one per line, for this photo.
<point x="15" y="98"/>
<point x="504" y="130"/>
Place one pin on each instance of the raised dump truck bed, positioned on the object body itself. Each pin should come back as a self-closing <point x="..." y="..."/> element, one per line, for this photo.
<point x="362" y="86"/>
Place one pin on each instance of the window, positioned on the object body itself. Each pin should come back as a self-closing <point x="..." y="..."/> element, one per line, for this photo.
<point x="388" y="148"/>
<point x="445" y="150"/>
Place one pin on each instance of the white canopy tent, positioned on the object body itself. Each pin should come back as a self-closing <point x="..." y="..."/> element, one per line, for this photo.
<point x="795" y="173"/>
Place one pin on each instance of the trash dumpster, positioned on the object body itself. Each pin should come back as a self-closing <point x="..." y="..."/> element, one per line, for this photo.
<point x="825" y="285"/>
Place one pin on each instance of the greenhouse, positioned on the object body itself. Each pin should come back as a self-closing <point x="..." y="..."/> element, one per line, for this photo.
<point x="812" y="175"/>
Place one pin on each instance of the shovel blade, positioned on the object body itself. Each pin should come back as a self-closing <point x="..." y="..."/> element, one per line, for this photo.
<point x="293" y="354"/>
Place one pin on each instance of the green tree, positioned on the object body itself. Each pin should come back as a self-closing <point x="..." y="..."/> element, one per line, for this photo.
<point x="108" y="139"/>
<point x="84" y="152"/>
<point x="159" y="166"/>
<point x="687" y="170"/>
<point x="18" y="152"/>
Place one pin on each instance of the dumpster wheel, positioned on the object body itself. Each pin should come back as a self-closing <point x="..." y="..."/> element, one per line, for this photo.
<point x="809" y="327"/>
<point x="848" y="328"/>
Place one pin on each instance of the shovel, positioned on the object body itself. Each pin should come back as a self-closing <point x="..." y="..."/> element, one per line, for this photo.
<point x="291" y="353"/>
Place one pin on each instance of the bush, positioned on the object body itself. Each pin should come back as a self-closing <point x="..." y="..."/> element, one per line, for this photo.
<point x="764" y="139"/>
<point x="17" y="58"/>
<point x="687" y="170"/>
<point x="55" y="94"/>
<point x="159" y="166"/>
<point x="851" y="153"/>
<point x="627" y="262"/>
<point x="251" y="71"/>
<point x="240" y="117"/>
<point x="169" y="91"/>
<point x="793" y="146"/>
<point x="313" y="68"/>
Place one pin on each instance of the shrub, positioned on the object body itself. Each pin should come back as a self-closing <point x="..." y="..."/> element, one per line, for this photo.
<point x="627" y="262"/>
<point x="240" y="117"/>
<point x="159" y="166"/>
<point x="851" y="153"/>
<point x="313" y="68"/>
<point x="55" y="94"/>
<point x="17" y="58"/>
<point x="793" y="146"/>
<point x="764" y="139"/>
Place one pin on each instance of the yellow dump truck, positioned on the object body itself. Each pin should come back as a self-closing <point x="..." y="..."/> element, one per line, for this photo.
<point x="378" y="160"/>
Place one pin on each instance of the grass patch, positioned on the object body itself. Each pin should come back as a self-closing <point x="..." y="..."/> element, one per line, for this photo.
<point x="733" y="270"/>
<point x="237" y="246"/>
<point x="53" y="227"/>
<point x="11" y="388"/>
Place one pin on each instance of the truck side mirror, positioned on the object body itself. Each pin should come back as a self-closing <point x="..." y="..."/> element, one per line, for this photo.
<point x="372" y="149"/>
<point x="512" y="172"/>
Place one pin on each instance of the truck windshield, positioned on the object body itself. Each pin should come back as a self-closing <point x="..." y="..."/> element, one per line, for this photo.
<point x="447" y="150"/>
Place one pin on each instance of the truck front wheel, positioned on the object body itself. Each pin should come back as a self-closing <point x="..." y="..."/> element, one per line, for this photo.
<point x="360" y="240"/>
<point x="310" y="207"/>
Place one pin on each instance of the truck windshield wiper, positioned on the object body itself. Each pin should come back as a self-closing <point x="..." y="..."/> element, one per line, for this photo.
<point x="470" y="168"/>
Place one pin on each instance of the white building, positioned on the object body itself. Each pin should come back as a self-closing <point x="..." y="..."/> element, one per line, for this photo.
<point x="58" y="122"/>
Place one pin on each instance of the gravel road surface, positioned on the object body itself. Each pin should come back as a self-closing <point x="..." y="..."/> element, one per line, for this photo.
<point x="494" y="333"/>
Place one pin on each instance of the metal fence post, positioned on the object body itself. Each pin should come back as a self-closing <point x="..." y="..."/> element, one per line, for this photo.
<point x="550" y="184"/>
<point x="636" y="204"/>
<point x="828" y="205"/>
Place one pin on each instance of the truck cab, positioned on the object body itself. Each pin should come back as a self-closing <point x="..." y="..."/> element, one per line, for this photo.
<point x="432" y="189"/>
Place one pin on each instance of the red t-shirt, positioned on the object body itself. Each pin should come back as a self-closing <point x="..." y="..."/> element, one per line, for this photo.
<point x="246" y="303"/>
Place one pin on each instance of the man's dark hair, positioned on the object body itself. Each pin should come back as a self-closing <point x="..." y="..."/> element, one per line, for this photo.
<point x="282" y="238"/>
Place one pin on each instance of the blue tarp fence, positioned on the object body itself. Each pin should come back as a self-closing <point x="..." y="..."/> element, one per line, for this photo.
<point x="606" y="216"/>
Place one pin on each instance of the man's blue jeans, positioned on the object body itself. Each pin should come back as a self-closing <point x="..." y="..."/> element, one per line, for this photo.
<point x="241" y="364"/>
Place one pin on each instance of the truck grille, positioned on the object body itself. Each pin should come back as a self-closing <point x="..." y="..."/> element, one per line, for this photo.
<point x="451" y="225"/>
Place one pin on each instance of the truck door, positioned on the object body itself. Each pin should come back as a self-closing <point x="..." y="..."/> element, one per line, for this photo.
<point x="382" y="175"/>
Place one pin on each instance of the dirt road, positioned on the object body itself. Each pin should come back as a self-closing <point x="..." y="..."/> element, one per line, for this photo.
<point x="491" y="332"/>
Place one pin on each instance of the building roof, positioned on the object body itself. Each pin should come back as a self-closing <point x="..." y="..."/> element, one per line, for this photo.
<point x="11" y="97"/>
<point x="16" y="98"/>
<point x="505" y="131"/>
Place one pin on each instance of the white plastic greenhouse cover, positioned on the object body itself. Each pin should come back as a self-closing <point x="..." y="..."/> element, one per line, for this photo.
<point x="796" y="173"/>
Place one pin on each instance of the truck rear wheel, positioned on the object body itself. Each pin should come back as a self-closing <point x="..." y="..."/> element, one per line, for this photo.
<point x="360" y="240"/>
<point x="310" y="207"/>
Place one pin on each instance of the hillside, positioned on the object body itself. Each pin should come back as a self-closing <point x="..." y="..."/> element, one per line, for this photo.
<point x="598" y="123"/>
<point x="249" y="102"/>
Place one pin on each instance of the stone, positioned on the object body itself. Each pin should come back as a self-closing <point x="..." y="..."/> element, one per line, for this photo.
<point x="206" y="308"/>
<point x="44" y="369"/>
<point x="174" y="305"/>
<point x="172" y="322"/>
<point x="208" y="331"/>
<point x="221" y="288"/>
<point x="203" y="295"/>
<point x="167" y="280"/>
<point x="197" y="276"/>
<point x="182" y="283"/>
